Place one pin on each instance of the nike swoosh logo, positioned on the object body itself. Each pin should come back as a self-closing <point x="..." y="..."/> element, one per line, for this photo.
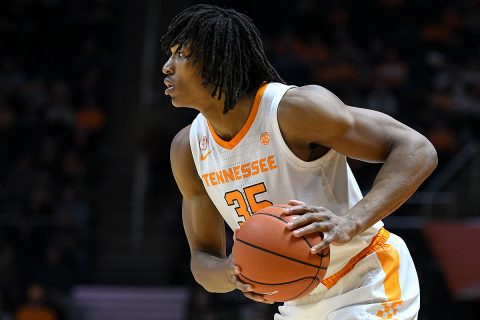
<point x="204" y="156"/>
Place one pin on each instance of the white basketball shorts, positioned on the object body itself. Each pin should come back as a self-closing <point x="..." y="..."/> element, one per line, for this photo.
<point x="379" y="283"/>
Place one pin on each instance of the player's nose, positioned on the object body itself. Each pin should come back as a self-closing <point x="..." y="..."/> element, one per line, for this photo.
<point x="168" y="67"/>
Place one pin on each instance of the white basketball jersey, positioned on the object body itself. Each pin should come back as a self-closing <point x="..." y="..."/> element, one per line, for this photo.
<point x="256" y="169"/>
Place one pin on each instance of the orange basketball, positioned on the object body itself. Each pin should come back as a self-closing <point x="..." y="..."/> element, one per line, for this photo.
<point x="274" y="261"/>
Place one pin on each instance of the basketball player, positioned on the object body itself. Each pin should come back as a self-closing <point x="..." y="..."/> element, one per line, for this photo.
<point x="257" y="142"/>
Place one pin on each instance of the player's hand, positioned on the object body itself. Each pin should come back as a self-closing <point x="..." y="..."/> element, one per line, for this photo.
<point x="247" y="289"/>
<point x="336" y="230"/>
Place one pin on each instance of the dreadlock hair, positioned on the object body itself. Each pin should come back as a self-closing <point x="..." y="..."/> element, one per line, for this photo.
<point x="228" y="45"/>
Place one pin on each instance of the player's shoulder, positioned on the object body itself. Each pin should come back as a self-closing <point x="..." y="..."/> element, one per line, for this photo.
<point x="313" y="107"/>
<point x="180" y="151"/>
<point x="307" y="97"/>
<point x="181" y="140"/>
<point x="183" y="165"/>
<point x="311" y="103"/>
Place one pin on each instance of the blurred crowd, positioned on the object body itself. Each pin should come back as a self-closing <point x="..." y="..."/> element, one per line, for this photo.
<point x="55" y="68"/>
<point x="417" y="61"/>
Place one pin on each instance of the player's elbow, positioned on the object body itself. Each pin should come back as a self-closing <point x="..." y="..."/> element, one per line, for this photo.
<point x="208" y="278"/>
<point x="199" y="275"/>
<point x="428" y="154"/>
<point x="207" y="282"/>
<point x="433" y="157"/>
<point x="201" y="280"/>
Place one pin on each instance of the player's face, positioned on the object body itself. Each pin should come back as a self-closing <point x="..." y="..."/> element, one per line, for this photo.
<point x="183" y="80"/>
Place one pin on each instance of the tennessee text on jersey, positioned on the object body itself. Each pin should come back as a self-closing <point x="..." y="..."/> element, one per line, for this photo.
<point x="245" y="170"/>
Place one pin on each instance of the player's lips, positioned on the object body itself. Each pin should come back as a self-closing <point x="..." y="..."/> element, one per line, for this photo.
<point x="170" y="86"/>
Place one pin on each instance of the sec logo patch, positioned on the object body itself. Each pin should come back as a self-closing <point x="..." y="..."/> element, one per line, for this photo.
<point x="265" y="138"/>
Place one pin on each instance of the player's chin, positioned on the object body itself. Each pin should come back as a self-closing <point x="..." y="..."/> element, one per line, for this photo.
<point x="178" y="103"/>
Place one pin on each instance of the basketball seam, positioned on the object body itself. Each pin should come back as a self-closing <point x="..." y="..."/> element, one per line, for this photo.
<point x="318" y="254"/>
<point x="303" y="237"/>
<point x="293" y="298"/>
<point x="321" y="258"/>
<point x="318" y="270"/>
<point x="280" y="255"/>
<point x="280" y="283"/>
<point x="283" y="283"/>
<point x="321" y="255"/>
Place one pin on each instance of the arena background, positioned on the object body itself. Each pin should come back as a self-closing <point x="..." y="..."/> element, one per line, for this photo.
<point x="90" y="221"/>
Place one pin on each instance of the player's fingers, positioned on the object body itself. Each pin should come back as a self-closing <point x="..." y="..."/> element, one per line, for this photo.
<point x="297" y="210"/>
<point x="327" y="240"/>
<point x="295" y="203"/>
<point x="257" y="297"/>
<point x="244" y="287"/>
<point x="313" y="227"/>
<point x="305" y="219"/>
<point x="232" y="274"/>
<point x="235" y="233"/>
<point x="298" y="222"/>
<point x="235" y="270"/>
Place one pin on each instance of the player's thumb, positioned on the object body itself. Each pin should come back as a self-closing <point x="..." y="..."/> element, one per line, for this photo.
<point x="235" y="233"/>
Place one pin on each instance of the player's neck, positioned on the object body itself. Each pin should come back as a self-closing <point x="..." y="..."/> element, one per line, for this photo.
<point x="228" y="125"/>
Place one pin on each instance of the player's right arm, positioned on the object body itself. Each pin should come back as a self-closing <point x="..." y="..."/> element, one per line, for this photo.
<point x="204" y="226"/>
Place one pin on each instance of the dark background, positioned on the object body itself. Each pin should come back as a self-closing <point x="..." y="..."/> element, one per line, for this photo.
<point x="89" y="211"/>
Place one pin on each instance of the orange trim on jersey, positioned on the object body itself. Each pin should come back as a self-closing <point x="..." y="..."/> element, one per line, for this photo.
<point x="389" y="259"/>
<point x="377" y="244"/>
<point x="251" y="117"/>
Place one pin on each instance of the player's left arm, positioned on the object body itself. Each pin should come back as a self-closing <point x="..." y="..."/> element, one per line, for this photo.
<point x="312" y="114"/>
